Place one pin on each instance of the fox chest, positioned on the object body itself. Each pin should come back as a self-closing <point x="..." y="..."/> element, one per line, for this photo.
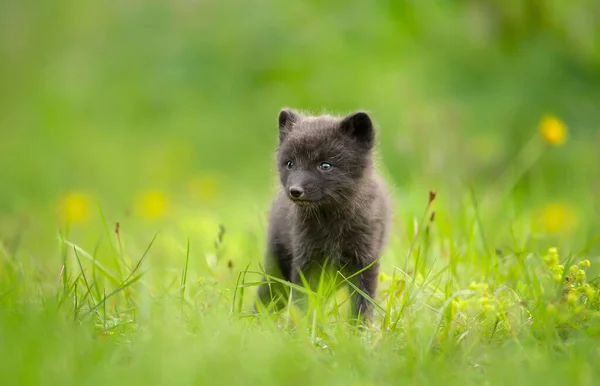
<point x="317" y="243"/>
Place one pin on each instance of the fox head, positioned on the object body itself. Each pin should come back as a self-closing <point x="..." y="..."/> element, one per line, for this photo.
<point x="323" y="159"/>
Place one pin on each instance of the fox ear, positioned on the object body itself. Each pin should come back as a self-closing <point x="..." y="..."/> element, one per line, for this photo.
<point x="360" y="127"/>
<point x="286" y="120"/>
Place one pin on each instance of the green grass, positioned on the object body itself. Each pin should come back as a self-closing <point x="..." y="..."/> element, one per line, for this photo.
<point x="151" y="126"/>
<point x="155" y="309"/>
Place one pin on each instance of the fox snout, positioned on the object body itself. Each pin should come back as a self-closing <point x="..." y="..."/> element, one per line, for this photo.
<point x="296" y="192"/>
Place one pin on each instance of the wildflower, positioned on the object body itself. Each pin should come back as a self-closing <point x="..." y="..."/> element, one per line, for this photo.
<point x="383" y="277"/>
<point x="588" y="291"/>
<point x="558" y="217"/>
<point x="478" y="286"/>
<point x="580" y="276"/>
<point x="553" y="130"/>
<point x="557" y="272"/>
<point x="551" y="258"/>
<point x="585" y="263"/>
<point x="551" y="261"/>
<point x="572" y="298"/>
<point x="75" y="207"/>
<point x="573" y="270"/>
<point x="151" y="204"/>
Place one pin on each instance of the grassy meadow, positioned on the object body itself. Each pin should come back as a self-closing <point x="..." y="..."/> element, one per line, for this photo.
<point x="137" y="148"/>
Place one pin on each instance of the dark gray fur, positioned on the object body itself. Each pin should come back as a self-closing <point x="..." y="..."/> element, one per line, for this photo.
<point x="344" y="212"/>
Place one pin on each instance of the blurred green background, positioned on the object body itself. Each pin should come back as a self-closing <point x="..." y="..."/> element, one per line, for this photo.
<point x="121" y="119"/>
<point x="156" y="105"/>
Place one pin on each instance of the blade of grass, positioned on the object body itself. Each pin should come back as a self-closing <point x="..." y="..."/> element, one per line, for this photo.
<point x="106" y="271"/>
<point x="369" y="299"/>
<point x="185" y="269"/>
<point x="130" y="279"/>
<point x="89" y="289"/>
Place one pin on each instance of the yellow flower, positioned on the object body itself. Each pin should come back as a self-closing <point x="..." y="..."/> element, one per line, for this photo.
<point x="573" y="270"/>
<point x="580" y="276"/>
<point x="558" y="217"/>
<point x="557" y="272"/>
<point x="75" y="207"/>
<point x="551" y="259"/>
<point x="474" y="286"/>
<point x="384" y="277"/>
<point x="151" y="204"/>
<point x="553" y="130"/>
<point x="585" y="263"/>
<point x="588" y="291"/>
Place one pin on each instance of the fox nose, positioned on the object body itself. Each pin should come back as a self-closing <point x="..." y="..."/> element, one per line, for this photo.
<point x="296" y="192"/>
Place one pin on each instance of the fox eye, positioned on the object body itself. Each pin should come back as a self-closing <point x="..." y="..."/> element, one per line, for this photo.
<point x="325" y="166"/>
<point x="289" y="164"/>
